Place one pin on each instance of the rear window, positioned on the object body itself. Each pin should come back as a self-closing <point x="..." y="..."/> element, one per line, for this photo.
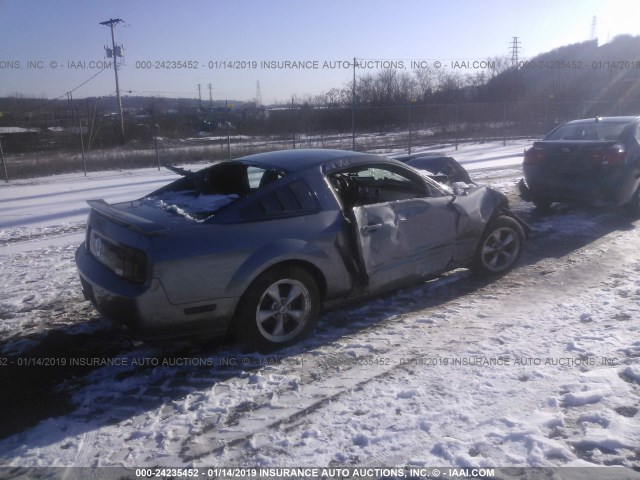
<point x="589" y="131"/>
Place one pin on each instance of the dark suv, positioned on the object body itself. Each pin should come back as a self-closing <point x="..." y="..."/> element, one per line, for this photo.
<point x="594" y="161"/>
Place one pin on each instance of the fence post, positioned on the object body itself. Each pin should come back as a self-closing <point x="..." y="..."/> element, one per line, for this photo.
<point x="84" y="161"/>
<point x="4" y="165"/>
<point x="353" y="108"/>
<point x="226" y="116"/>
<point x="293" y="123"/>
<point x="504" y="124"/>
<point x="409" y="146"/>
<point x="455" y="127"/>
<point x="158" y="145"/>
<point x="546" y="116"/>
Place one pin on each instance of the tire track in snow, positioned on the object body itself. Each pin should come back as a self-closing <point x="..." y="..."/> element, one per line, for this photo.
<point x="26" y="234"/>
<point x="83" y="456"/>
<point x="305" y="406"/>
<point x="321" y="386"/>
<point x="28" y="242"/>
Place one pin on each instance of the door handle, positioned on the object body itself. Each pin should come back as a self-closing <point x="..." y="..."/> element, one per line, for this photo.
<point x="371" y="228"/>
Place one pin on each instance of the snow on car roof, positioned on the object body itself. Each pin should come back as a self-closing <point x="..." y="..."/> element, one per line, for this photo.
<point x="190" y="205"/>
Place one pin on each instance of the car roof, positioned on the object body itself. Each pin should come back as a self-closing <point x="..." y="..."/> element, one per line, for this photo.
<point x="300" y="159"/>
<point x="415" y="156"/>
<point x="620" y="119"/>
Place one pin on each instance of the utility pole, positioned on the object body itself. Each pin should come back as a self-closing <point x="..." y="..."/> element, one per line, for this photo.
<point x="112" y="22"/>
<point x="199" y="99"/>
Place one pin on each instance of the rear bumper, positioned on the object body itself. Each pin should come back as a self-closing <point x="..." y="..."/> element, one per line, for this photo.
<point x="144" y="311"/>
<point x="615" y="188"/>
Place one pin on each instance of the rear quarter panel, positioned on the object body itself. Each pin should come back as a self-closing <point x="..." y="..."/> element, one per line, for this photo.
<point x="208" y="261"/>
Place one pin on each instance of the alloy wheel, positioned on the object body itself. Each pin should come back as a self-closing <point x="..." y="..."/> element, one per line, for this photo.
<point x="500" y="249"/>
<point x="283" y="310"/>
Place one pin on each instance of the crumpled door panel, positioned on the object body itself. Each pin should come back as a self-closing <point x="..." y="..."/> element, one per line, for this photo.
<point x="405" y="239"/>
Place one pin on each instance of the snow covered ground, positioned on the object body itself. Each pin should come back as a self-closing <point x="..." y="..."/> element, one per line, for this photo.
<point x="538" y="368"/>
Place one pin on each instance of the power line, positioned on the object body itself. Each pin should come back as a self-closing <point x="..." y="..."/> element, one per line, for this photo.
<point x="87" y="81"/>
<point x="66" y="94"/>
<point x="154" y="92"/>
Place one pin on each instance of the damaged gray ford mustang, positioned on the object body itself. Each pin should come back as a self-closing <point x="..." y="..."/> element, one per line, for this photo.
<point x="258" y="245"/>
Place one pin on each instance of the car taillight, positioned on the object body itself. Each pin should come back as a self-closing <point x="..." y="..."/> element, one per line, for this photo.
<point x="612" y="156"/>
<point x="134" y="265"/>
<point x="126" y="262"/>
<point x="533" y="156"/>
<point x="615" y="155"/>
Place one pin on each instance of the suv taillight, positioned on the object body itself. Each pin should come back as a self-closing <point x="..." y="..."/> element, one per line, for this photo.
<point x="615" y="155"/>
<point x="533" y="156"/>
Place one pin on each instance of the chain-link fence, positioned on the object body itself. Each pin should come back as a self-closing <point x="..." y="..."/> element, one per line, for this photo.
<point x="78" y="144"/>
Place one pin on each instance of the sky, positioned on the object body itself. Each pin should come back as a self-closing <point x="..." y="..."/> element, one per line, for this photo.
<point x="49" y="48"/>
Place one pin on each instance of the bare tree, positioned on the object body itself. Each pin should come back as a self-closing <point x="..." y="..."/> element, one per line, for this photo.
<point x="425" y="84"/>
<point x="497" y="65"/>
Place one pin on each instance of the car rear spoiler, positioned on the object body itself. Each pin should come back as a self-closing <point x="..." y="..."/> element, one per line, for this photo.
<point x="132" y="222"/>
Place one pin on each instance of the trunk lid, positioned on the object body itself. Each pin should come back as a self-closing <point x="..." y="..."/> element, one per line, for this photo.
<point x="575" y="158"/>
<point x="127" y="215"/>
<point x="120" y="236"/>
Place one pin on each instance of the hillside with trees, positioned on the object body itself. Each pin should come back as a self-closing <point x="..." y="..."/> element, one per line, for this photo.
<point x="578" y="72"/>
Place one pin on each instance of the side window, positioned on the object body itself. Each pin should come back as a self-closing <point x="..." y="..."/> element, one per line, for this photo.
<point x="259" y="177"/>
<point x="376" y="184"/>
<point x="383" y="174"/>
<point x="292" y="199"/>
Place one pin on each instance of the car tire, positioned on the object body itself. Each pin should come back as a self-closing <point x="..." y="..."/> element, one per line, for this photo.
<point x="541" y="204"/>
<point x="633" y="205"/>
<point x="278" y="309"/>
<point x="499" y="248"/>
